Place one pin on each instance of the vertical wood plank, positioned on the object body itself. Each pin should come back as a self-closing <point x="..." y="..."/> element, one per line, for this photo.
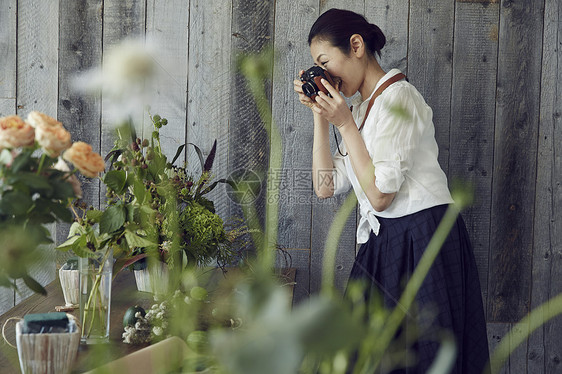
<point x="496" y="333"/>
<point x="545" y="353"/>
<point x="7" y="107"/>
<point x="294" y="121"/>
<point x="80" y="49"/>
<point x="37" y="89"/>
<point x="472" y="119"/>
<point x="121" y="19"/>
<point x="292" y="22"/>
<point x="518" y="359"/>
<point x="168" y="27"/>
<point x="252" y="31"/>
<point x="324" y="210"/>
<point x="392" y="18"/>
<point x="430" y="53"/>
<point x="209" y="92"/>
<point x="8" y="33"/>
<point x="515" y="152"/>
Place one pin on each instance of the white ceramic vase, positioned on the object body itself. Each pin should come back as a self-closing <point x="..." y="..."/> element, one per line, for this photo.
<point x="153" y="278"/>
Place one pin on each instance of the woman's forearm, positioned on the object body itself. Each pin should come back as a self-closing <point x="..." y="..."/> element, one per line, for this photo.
<point x="322" y="164"/>
<point x="363" y="167"/>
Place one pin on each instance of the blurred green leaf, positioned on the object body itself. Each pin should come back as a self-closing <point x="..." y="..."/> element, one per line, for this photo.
<point x="94" y="214"/>
<point x="69" y="243"/>
<point x="15" y="203"/>
<point x="137" y="241"/>
<point x="116" y="181"/>
<point x="20" y="161"/>
<point x="34" y="181"/>
<point x="112" y="219"/>
<point x="139" y="190"/>
<point x="311" y="320"/>
<point x="34" y="285"/>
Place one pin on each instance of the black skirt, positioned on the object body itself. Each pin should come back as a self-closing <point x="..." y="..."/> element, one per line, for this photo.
<point x="450" y="296"/>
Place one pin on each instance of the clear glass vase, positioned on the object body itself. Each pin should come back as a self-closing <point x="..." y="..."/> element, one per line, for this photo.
<point x="95" y="296"/>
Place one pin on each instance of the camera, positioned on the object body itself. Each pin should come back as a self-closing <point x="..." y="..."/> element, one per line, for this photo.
<point x="311" y="81"/>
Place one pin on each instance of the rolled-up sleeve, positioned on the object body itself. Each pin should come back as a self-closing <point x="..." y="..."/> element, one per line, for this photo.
<point x="393" y="134"/>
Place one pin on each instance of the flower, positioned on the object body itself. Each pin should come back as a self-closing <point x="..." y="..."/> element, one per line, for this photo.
<point x="127" y="78"/>
<point x="89" y="163"/>
<point x="35" y="186"/>
<point x="49" y="133"/>
<point x="14" y="132"/>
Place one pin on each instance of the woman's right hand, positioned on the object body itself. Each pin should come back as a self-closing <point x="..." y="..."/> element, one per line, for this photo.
<point x="305" y="100"/>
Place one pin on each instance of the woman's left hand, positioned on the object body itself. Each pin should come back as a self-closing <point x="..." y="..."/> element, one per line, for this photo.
<point x="334" y="108"/>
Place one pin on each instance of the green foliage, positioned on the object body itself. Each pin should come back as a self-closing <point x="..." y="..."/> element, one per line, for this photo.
<point x="154" y="208"/>
<point x="32" y="194"/>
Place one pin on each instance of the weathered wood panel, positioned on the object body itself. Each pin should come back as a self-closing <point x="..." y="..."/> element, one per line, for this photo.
<point x="7" y="107"/>
<point x="294" y="121"/>
<point x="392" y="18"/>
<point x="167" y="26"/>
<point x="209" y="85"/>
<point x="37" y="83"/>
<point x="472" y="119"/>
<point x="430" y="52"/>
<point x="517" y="362"/>
<point x="8" y="27"/>
<point x="295" y="124"/>
<point x="451" y="50"/>
<point x="544" y="352"/>
<point x="121" y="19"/>
<point x="80" y="49"/>
<point x="324" y="210"/>
<point x="513" y="195"/>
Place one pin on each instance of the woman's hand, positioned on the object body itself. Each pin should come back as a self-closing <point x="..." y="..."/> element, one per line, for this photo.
<point x="305" y="100"/>
<point x="334" y="108"/>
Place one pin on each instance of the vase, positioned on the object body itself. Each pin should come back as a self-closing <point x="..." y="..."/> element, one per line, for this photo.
<point x="95" y="296"/>
<point x="154" y="278"/>
<point x="70" y="282"/>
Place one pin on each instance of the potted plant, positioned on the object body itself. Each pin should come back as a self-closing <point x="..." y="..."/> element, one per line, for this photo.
<point x="157" y="215"/>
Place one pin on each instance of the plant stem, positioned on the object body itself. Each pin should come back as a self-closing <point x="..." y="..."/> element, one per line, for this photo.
<point x="41" y="163"/>
<point x="93" y="294"/>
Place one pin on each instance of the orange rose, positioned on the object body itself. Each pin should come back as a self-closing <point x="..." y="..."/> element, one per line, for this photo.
<point x="84" y="159"/>
<point x="14" y="133"/>
<point x="49" y="133"/>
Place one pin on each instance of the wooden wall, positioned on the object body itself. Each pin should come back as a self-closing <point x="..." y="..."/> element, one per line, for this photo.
<point x="490" y="69"/>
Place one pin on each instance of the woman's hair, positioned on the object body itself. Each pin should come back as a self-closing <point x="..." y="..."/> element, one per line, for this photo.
<point x="337" y="26"/>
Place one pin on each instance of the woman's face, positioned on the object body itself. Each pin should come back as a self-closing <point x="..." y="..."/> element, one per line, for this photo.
<point x="343" y="68"/>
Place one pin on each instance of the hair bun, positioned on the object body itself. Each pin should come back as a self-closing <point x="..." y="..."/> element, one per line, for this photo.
<point x="377" y="38"/>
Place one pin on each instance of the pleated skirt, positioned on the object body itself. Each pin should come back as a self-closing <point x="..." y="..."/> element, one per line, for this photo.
<point x="450" y="296"/>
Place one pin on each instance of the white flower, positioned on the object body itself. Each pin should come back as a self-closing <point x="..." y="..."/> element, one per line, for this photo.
<point x="157" y="330"/>
<point x="126" y="78"/>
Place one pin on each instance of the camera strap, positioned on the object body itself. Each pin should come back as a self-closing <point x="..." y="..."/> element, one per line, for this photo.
<point x="378" y="92"/>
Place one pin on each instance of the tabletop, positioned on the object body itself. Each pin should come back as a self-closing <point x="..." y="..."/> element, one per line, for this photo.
<point x="124" y="295"/>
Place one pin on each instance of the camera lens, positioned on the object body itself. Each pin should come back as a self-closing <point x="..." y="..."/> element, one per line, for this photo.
<point x="309" y="90"/>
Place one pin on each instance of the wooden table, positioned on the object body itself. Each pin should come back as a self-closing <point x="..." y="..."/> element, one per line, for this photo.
<point x="124" y="295"/>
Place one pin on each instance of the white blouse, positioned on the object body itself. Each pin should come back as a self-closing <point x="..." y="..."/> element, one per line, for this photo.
<point x="400" y="138"/>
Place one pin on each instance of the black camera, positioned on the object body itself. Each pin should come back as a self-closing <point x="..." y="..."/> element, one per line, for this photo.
<point x="311" y="81"/>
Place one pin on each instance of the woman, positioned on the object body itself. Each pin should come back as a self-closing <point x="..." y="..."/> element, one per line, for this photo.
<point x="389" y="157"/>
